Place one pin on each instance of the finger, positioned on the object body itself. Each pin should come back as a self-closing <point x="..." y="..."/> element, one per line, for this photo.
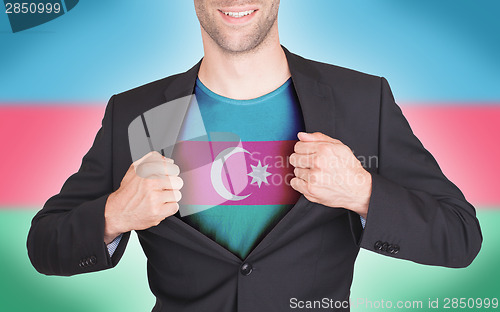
<point x="133" y="167"/>
<point x="302" y="161"/>
<point x="170" y="196"/>
<point x="152" y="154"/>
<point x="172" y="183"/>
<point x="298" y="184"/>
<point x="303" y="147"/>
<point x="310" y="147"/>
<point x="311" y="176"/>
<point x="302" y="173"/>
<point x="301" y="186"/>
<point x="171" y="208"/>
<point x="132" y="170"/>
<point x="165" y="183"/>
<point x="172" y="169"/>
<point x="162" y="168"/>
<point x="157" y="169"/>
<point x="316" y="137"/>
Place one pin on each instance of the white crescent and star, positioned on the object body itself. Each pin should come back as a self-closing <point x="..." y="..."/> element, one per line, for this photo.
<point x="259" y="173"/>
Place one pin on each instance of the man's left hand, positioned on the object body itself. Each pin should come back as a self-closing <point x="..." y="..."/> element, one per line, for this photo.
<point x="327" y="172"/>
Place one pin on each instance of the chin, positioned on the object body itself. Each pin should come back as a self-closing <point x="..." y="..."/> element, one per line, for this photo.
<point x="238" y="44"/>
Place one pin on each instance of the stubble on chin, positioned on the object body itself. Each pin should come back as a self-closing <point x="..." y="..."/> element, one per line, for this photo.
<point x="245" y="44"/>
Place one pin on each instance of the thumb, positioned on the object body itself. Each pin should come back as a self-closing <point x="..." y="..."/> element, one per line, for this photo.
<point x="151" y="154"/>
<point x="316" y="137"/>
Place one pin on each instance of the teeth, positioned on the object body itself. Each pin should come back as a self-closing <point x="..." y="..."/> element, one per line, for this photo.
<point x="239" y="14"/>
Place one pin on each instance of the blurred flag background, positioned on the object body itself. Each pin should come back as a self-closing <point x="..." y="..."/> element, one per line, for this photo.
<point x="441" y="57"/>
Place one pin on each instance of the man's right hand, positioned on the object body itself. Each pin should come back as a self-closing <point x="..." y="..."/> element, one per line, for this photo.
<point x="148" y="193"/>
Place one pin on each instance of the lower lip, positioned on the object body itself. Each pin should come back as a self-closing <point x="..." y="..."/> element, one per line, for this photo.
<point x="237" y="20"/>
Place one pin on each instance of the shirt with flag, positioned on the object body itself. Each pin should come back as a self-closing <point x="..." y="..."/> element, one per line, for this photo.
<point x="233" y="157"/>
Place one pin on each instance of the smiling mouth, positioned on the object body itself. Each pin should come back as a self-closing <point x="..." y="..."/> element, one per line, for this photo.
<point x="238" y="14"/>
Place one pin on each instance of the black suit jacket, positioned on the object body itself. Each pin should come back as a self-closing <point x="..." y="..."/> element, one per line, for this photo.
<point x="415" y="212"/>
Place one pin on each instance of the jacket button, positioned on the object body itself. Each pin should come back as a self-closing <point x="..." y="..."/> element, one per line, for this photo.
<point x="390" y="249"/>
<point x="82" y="263"/>
<point x="93" y="260"/>
<point x="246" y="269"/>
<point x="378" y="245"/>
<point x="384" y="246"/>
<point x="396" y="249"/>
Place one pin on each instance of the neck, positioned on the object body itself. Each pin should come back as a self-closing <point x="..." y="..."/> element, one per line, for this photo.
<point x="247" y="75"/>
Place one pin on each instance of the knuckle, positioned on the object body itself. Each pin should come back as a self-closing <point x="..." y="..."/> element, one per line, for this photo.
<point x="166" y="196"/>
<point x="148" y="183"/>
<point x="144" y="166"/>
<point x="345" y="150"/>
<point x="150" y="198"/>
<point x="154" y="156"/>
<point x="325" y="148"/>
<point x="313" y="177"/>
<point x="315" y="172"/>
<point x="168" y="183"/>
<point x="303" y="161"/>
<point x="145" y="170"/>
<point x="317" y="161"/>
<point x="322" y="148"/>
<point x="162" y="184"/>
<point x="151" y="184"/>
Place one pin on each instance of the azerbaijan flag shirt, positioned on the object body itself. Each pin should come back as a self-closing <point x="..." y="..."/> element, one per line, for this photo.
<point x="234" y="159"/>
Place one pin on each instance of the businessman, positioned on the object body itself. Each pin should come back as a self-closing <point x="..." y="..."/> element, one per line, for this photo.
<point x="264" y="243"/>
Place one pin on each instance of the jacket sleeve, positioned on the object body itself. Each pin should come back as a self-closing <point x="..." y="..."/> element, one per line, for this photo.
<point x="67" y="236"/>
<point x="415" y="212"/>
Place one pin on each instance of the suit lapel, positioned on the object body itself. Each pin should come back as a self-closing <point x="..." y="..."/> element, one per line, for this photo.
<point x="315" y="98"/>
<point x="183" y="85"/>
<point x="318" y="110"/>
